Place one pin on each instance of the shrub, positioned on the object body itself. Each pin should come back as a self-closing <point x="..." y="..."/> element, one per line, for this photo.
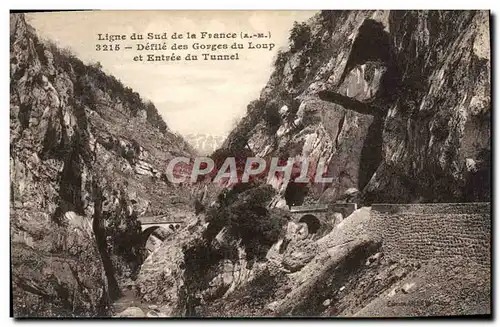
<point x="246" y="217"/>
<point x="155" y="118"/>
<point x="280" y="61"/>
<point x="272" y="116"/>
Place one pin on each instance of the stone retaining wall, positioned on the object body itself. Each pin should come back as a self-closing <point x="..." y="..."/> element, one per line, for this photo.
<point x="434" y="231"/>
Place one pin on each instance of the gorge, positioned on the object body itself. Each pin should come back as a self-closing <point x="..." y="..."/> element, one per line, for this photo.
<point x="396" y="103"/>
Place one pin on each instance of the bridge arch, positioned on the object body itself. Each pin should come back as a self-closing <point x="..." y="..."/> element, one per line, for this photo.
<point x="313" y="223"/>
<point x="146" y="239"/>
<point x="148" y="232"/>
<point x="149" y="229"/>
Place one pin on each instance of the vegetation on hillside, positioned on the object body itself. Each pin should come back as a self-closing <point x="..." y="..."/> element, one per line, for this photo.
<point x="89" y="80"/>
<point x="243" y="212"/>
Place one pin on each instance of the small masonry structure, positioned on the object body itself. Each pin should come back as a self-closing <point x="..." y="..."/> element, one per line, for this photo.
<point x="316" y="215"/>
<point x="151" y="223"/>
<point x="160" y="221"/>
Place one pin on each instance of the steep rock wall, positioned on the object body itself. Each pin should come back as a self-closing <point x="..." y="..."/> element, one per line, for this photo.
<point x="82" y="145"/>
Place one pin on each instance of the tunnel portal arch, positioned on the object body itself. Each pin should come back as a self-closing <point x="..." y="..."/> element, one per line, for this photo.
<point x="313" y="223"/>
<point x="295" y="193"/>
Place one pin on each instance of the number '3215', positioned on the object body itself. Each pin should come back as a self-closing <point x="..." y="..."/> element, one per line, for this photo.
<point x="107" y="47"/>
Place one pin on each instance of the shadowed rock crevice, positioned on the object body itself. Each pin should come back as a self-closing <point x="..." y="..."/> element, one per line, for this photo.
<point x="24" y="114"/>
<point x="339" y="130"/>
<point x="71" y="185"/>
<point x="102" y="245"/>
<point x="371" y="154"/>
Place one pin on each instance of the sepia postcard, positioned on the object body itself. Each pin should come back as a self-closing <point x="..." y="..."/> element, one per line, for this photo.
<point x="331" y="163"/>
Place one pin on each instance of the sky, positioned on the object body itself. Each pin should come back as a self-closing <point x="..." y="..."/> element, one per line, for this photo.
<point x="206" y="97"/>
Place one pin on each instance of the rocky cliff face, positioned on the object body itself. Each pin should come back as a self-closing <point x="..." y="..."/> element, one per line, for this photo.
<point x="397" y="102"/>
<point x="87" y="157"/>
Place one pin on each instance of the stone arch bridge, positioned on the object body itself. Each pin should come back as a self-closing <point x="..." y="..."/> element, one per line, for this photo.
<point x="315" y="216"/>
<point x="151" y="223"/>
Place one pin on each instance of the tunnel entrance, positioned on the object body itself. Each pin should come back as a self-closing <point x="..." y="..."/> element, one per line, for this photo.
<point x="312" y="222"/>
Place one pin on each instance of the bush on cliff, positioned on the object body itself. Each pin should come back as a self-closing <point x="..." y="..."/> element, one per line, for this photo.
<point x="272" y="117"/>
<point x="299" y="36"/>
<point x="88" y="79"/>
